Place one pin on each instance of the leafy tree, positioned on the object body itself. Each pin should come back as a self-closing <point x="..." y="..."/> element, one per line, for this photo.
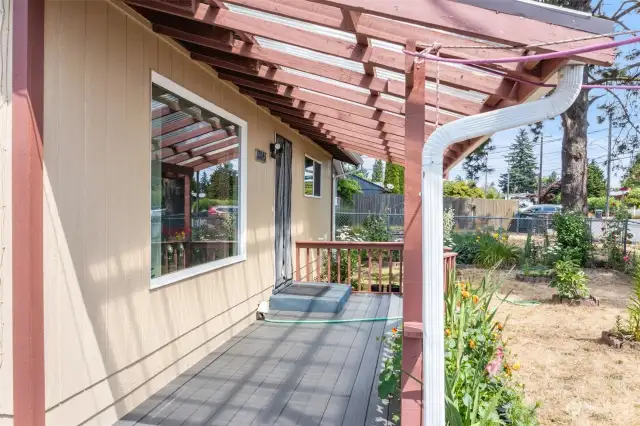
<point x="632" y="199"/>
<point x="460" y="189"/>
<point x="622" y="107"/>
<point x="492" y="193"/>
<point x="347" y="188"/>
<point x="631" y="177"/>
<point x="553" y="177"/>
<point x="377" y="173"/>
<point x="596" y="185"/>
<point x="476" y="163"/>
<point x="363" y="173"/>
<point x="521" y="163"/>
<point x="394" y="178"/>
<point x="223" y="183"/>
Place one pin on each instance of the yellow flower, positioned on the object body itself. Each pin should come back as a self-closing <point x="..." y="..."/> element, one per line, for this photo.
<point x="465" y="294"/>
<point x="447" y="332"/>
<point x="472" y="344"/>
<point x="394" y="330"/>
<point x="495" y="336"/>
<point x="475" y="299"/>
<point x="516" y="366"/>
<point x="507" y="369"/>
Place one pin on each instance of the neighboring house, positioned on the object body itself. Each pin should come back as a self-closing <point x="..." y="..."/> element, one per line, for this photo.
<point x="108" y="110"/>
<point x="370" y="188"/>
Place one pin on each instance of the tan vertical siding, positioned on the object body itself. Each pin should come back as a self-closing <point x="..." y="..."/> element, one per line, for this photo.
<point x="110" y="341"/>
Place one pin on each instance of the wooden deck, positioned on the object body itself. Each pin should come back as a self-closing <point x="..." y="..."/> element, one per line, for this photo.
<point x="285" y="374"/>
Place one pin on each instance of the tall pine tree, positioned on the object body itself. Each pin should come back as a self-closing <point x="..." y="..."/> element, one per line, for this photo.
<point x="476" y="163"/>
<point x="596" y="185"/>
<point x="522" y="166"/>
<point x="394" y="178"/>
<point x="377" y="173"/>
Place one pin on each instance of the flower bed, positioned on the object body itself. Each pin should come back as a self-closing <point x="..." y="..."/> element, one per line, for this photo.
<point x="481" y="386"/>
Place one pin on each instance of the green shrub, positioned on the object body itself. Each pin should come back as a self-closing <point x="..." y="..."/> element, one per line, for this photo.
<point x="573" y="236"/>
<point x="375" y="229"/>
<point x="632" y="199"/>
<point x="467" y="245"/>
<point x="569" y="280"/>
<point x="494" y="252"/>
<point x="449" y="224"/>
<point x="596" y="203"/>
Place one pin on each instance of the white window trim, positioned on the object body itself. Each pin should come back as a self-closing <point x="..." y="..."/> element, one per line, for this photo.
<point x="185" y="274"/>
<point x="314" y="176"/>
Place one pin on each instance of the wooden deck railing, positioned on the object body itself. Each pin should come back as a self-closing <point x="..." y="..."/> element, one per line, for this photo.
<point x="367" y="266"/>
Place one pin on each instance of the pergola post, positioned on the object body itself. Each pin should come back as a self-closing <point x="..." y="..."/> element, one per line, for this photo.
<point x="27" y="211"/>
<point x="411" y="393"/>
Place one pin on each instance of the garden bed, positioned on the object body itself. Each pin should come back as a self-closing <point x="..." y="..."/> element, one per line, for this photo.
<point x="584" y="301"/>
<point x="565" y="365"/>
<point x="533" y="278"/>
<point x="615" y="341"/>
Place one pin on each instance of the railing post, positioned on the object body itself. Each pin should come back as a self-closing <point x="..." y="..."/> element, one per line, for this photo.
<point x="297" y="263"/>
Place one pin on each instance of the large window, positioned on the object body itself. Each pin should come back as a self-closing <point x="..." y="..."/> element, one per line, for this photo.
<point x="197" y="184"/>
<point x="312" y="177"/>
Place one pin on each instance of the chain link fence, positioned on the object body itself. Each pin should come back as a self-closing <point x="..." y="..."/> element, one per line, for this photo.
<point x="535" y="225"/>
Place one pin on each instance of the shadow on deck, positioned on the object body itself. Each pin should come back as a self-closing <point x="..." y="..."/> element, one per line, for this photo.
<point x="285" y="374"/>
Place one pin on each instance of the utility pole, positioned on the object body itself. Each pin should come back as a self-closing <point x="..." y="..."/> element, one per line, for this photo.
<point x="508" y="181"/>
<point x="540" y="171"/>
<point x="606" y="204"/>
<point x="486" y="172"/>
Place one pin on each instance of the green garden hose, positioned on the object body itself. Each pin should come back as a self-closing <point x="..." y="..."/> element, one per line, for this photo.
<point x="528" y="303"/>
<point x="330" y="321"/>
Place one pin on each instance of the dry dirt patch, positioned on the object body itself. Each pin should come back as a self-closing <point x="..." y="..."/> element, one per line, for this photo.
<point x="578" y="379"/>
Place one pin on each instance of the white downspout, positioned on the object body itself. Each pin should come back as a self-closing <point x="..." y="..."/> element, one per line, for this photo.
<point x="433" y="389"/>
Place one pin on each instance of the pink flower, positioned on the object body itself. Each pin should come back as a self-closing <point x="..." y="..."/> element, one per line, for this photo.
<point x="626" y="258"/>
<point x="494" y="365"/>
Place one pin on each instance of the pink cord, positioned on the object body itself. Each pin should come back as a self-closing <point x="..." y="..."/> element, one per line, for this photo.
<point x="542" y="56"/>
<point x="535" y="83"/>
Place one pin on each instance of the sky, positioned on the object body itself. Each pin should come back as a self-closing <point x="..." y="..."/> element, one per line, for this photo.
<point x="551" y="159"/>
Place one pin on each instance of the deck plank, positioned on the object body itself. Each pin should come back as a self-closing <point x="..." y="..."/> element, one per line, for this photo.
<point x="378" y="413"/>
<point x="362" y="388"/>
<point x="156" y="408"/>
<point x="282" y="375"/>
<point x="293" y="400"/>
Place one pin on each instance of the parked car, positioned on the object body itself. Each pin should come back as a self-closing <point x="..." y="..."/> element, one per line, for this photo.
<point x="536" y="218"/>
<point x="223" y="210"/>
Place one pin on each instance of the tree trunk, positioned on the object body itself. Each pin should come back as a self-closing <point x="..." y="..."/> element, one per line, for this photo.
<point x="574" y="154"/>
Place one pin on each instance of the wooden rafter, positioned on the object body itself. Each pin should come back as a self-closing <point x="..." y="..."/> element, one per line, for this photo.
<point x="359" y="115"/>
<point x="379" y="57"/>
<point x="447" y="102"/>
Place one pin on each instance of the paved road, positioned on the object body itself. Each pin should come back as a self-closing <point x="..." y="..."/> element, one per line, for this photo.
<point x="634" y="229"/>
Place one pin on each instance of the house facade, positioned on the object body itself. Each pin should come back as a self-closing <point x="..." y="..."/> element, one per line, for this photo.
<point x="114" y="332"/>
<point x="148" y="205"/>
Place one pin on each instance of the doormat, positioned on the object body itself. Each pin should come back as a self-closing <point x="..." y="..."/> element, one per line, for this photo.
<point x="309" y="290"/>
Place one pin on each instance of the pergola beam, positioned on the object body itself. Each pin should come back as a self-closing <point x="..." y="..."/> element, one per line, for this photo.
<point x="379" y="57"/>
<point x="329" y="123"/>
<point x="378" y="28"/>
<point x="447" y="102"/>
<point x="476" y="22"/>
<point x="307" y="96"/>
<point x="310" y="112"/>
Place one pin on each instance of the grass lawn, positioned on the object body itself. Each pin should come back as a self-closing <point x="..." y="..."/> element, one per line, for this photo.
<point x="578" y="379"/>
